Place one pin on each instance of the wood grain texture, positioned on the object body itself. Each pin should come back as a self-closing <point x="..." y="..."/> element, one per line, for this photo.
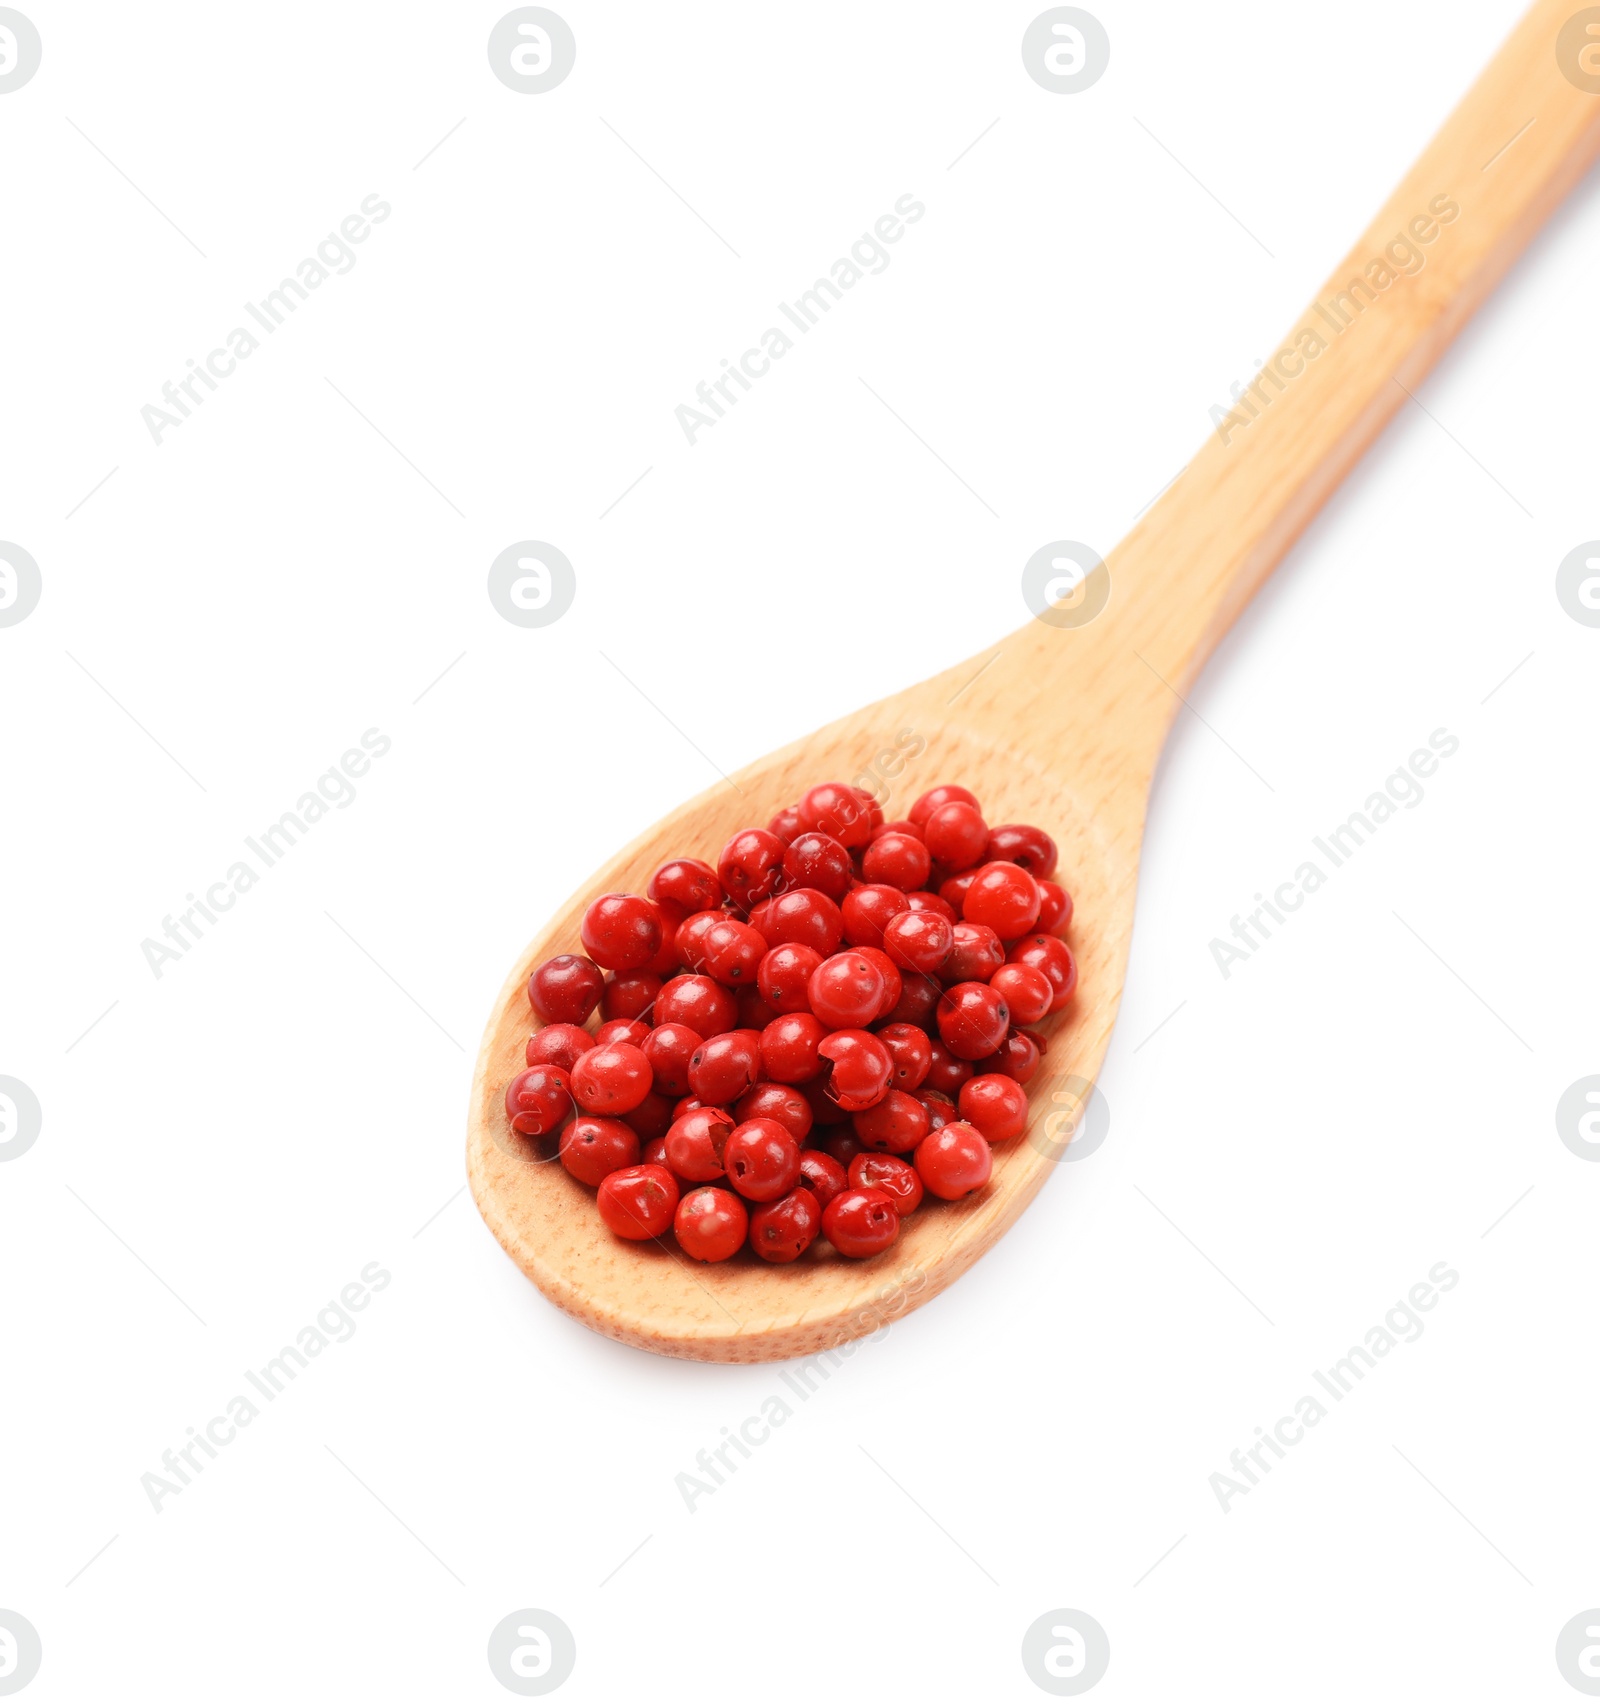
<point x="1062" y="726"/>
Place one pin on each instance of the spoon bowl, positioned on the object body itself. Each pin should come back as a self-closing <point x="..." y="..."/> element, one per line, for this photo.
<point x="650" y="1294"/>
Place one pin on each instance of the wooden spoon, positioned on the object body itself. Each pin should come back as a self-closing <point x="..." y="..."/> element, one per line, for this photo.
<point x="1061" y="724"/>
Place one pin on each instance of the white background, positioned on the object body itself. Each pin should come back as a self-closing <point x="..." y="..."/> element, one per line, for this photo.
<point x="1359" y="1101"/>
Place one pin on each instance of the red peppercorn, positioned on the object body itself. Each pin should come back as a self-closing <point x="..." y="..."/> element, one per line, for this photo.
<point x="630" y="1030"/>
<point x="919" y="941"/>
<point x="754" y="1013"/>
<point x="668" y="1048"/>
<point x="1050" y="954"/>
<point x="654" y="1153"/>
<point x="652" y="1118"/>
<point x="711" y="1224"/>
<point x="910" y="1054"/>
<point x="780" y="1102"/>
<point x="732" y="952"/>
<point x="784" y="974"/>
<point x="667" y="962"/>
<point x="1026" y="991"/>
<point x="825" y="1111"/>
<point x="846" y="990"/>
<point x="946" y="1073"/>
<point x="1018" y="1057"/>
<point x="953" y="889"/>
<point x="751" y="867"/>
<point x="1055" y="909"/>
<point x="690" y="939"/>
<point x="838" y="1142"/>
<point x="621" y="932"/>
<point x="789" y="1047"/>
<point x="1025" y="845"/>
<point x="954" y="1161"/>
<point x="803" y="915"/>
<point x="686" y="882"/>
<point x="639" y="1201"/>
<point x="874" y="810"/>
<point x="995" y="1105"/>
<point x="860" y="1223"/>
<point x="558" y="1045"/>
<point x="537" y="1100"/>
<point x="925" y="902"/>
<point x="949" y="792"/>
<point x="890" y="972"/>
<point x="698" y="1002"/>
<point x="630" y="994"/>
<point x="973" y="1020"/>
<point x="896" y="1124"/>
<point x="815" y="860"/>
<point x="1005" y="897"/>
<point x="976" y="953"/>
<point x="564" y="990"/>
<point x="723" y="1067"/>
<point x="901" y="1183"/>
<point x="865" y="911"/>
<point x="762" y="1160"/>
<point x="611" y="1079"/>
<point x="919" y="996"/>
<point x="593" y="1148"/>
<point x="822" y="1175"/>
<point x="695" y="1142"/>
<point x="901" y="861"/>
<point x="833" y="808"/>
<point x="787" y="824"/>
<point x="783" y="1231"/>
<point x="941" y="1110"/>
<point x="956" y="834"/>
<point x="861" y="1068"/>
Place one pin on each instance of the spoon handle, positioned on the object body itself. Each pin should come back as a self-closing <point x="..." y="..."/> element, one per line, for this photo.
<point x="1518" y="142"/>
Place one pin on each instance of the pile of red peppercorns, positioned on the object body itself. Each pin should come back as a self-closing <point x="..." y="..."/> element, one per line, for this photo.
<point x="805" y="1041"/>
